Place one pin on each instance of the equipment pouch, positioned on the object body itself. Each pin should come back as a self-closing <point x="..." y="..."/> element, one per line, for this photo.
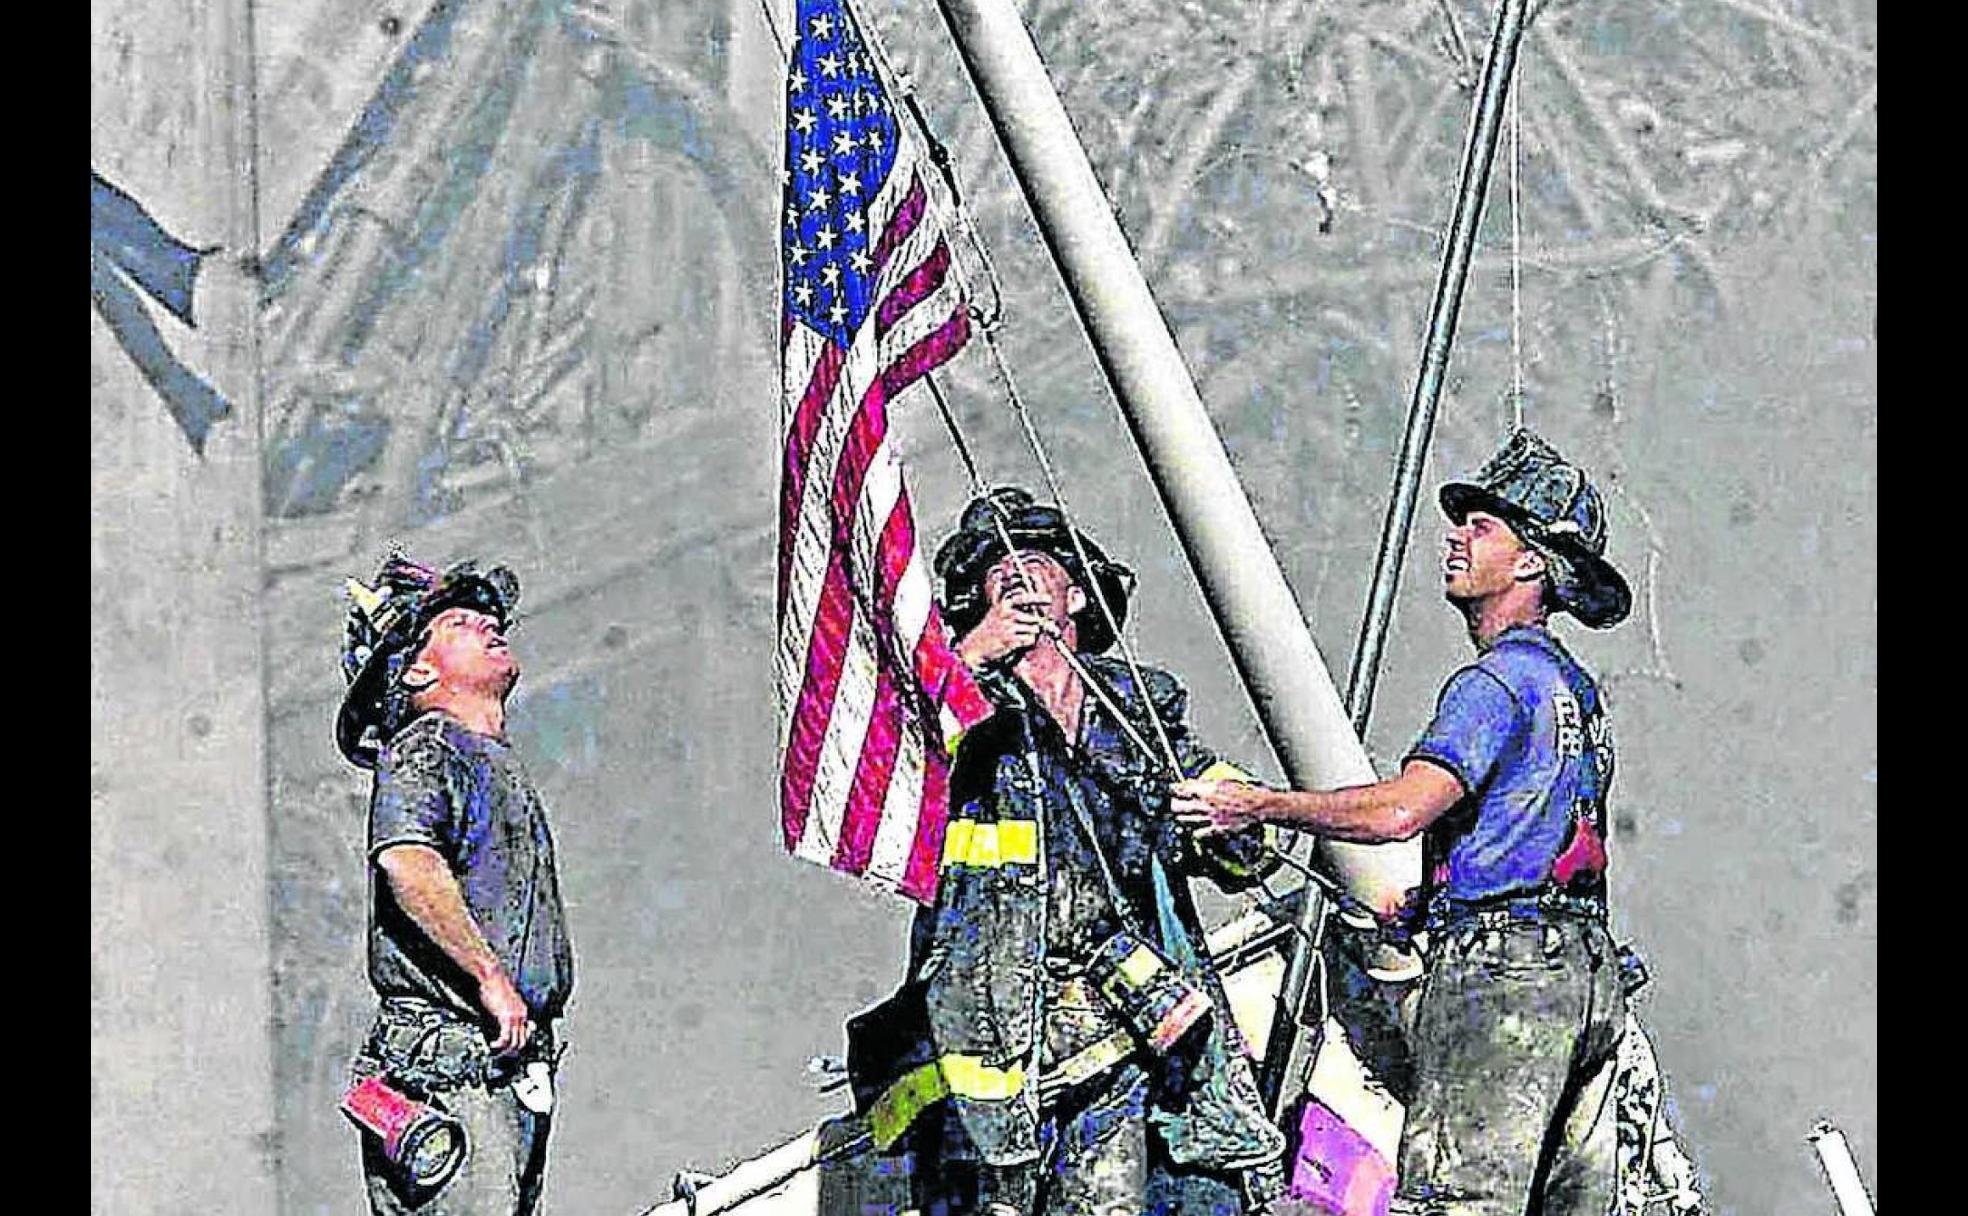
<point x="1150" y="994"/>
<point x="426" y="1049"/>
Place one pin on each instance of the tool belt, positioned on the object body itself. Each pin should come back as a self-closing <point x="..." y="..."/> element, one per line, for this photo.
<point x="428" y="1048"/>
<point x="1542" y="908"/>
<point x="1534" y="907"/>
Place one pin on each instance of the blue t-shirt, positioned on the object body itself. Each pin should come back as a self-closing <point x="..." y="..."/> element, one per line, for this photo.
<point x="1523" y="730"/>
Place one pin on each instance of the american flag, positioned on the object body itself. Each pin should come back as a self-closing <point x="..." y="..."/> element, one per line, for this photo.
<point x="869" y="690"/>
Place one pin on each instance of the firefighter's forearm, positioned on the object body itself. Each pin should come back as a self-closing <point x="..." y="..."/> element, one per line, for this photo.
<point x="428" y="893"/>
<point x="1397" y="809"/>
<point x="1362" y="815"/>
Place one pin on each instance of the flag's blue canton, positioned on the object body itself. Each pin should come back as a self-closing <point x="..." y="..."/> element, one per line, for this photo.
<point x="840" y="146"/>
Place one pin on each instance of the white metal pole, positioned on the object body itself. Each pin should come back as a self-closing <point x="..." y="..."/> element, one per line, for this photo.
<point x="1840" y="1170"/>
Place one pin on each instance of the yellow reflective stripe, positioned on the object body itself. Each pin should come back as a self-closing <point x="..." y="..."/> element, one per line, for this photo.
<point x="1223" y="770"/>
<point x="1139" y="966"/>
<point x="967" y="842"/>
<point x="953" y="1075"/>
<point x="971" y="1077"/>
<point x="897" y="1108"/>
<point x="1087" y="1063"/>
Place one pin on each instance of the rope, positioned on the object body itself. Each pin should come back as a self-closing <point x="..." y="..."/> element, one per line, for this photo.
<point x="1079" y="549"/>
<point x="900" y="84"/>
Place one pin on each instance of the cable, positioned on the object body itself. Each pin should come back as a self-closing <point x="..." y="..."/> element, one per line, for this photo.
<point x="1516" y="258"/>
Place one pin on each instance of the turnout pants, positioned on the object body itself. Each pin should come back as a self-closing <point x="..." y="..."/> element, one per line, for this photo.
<point x="1098" y="1157"/>
<point x="1516" y="1025"/>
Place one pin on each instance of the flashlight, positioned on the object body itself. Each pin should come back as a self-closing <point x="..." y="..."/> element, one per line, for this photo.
<point x="418" y="1139"/>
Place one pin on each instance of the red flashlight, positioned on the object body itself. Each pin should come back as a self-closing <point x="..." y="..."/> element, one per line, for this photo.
<point x="417" y="1138"/>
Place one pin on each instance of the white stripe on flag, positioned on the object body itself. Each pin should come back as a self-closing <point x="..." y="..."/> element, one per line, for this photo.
<point x="813" y="535"/>
<point x="803" y="349"/>
<point x="840" y="752"/>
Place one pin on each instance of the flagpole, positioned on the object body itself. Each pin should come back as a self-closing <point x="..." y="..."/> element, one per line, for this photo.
<point x="1289" y="685"/>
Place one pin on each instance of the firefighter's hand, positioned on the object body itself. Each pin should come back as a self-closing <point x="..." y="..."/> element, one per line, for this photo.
<point x="503" y="1004"/>
<point x="1012" y="625"/>
<point x="1214" y="808"/>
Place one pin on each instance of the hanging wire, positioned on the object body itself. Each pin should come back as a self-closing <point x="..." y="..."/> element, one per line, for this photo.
<point x="1079" y="549"/>
<point x="956" y="435"/>
<point x="1516" y="257"/>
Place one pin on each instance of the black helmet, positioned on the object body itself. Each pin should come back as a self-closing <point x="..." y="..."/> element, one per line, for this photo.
<point x="1552" y="505"/>
<point x="979" y="543"/>
<point x="385" y="626"/>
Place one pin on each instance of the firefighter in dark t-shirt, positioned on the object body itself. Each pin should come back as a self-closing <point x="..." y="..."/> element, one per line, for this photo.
<point x="468" y="946"/>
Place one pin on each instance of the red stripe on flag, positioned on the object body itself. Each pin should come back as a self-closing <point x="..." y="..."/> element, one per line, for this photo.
<point x="799" y="451"/>
<point x="826" y="650"/>
<point x="930" y="352"/>
<point x="901" y="224"/>
<point x="869" y="797"/>
<point x="925" y="859"/>
<point x="898" y="545"/>
<point x="944" y="676"/>
<point x="914" y="288"/>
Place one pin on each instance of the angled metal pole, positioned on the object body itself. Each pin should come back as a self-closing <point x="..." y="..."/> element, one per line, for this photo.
<point x="1473" y="186"/>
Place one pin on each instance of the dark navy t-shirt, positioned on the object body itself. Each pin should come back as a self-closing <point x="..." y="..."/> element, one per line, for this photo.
<point x="1523" y="730"/>
<point x="465" y="795"/>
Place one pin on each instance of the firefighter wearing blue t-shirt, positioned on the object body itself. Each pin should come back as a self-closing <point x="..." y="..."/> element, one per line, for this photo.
<point x="1523" y="1005"/>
